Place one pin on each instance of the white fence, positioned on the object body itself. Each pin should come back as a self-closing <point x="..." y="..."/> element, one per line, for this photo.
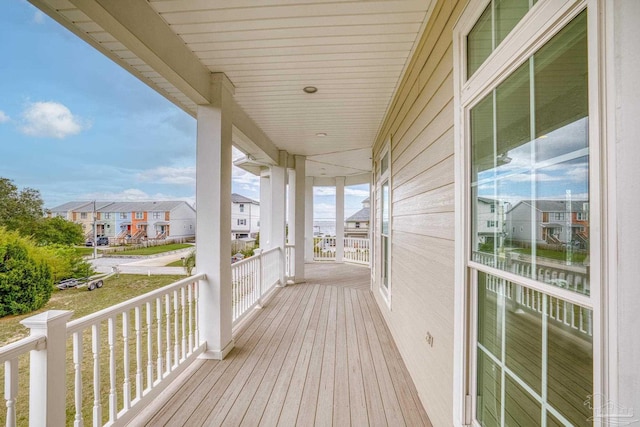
<point x="252" y="278"/>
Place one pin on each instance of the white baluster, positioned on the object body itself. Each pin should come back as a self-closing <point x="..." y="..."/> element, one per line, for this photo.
<point x="11" y="390"/>
<point x="138" y="328"/>
<point x="77" y="369"/>
<point x="184" y="322"/>
<point x="167" y="315"/>
<point x="95" y="350"/>
<point x="149" y="348"/>
<point x="126" y="386"/>
<point x="113" y="398"/>
<point x="159" y="332"/>
<point x="190" y="301"/>
<point x="176" y="336"/>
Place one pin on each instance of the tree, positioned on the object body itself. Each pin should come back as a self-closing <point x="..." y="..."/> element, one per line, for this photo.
<point x="25" y="281"/>
<point x="190" y="262"/>
<point x="19" y="210"/>
<point x="58" y="231"/>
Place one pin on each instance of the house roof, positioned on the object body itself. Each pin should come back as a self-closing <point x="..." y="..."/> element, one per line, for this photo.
<point x="238" y="198"/>
<point x="362" y="215"/>
<point x="69" y="206"/>
<point x="554" y="205"/>
<point x="109" y="206"/>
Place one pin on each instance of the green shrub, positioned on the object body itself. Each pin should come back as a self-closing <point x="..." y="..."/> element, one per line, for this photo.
<point x="25" y="281"/>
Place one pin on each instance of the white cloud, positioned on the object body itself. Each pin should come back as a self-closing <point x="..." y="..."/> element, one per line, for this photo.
<point x="3" y="117"/>
<point x="242" y="177"/>
<point x="324" y="191"/>
<point x="169" y="175"/>
<point x="356" y="192"/>
<point x="324" y="211"/>
<point x="51" y="119"/>
<point x="38" y="17"/>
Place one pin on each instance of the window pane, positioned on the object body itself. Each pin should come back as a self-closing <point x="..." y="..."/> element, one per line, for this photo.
<point x="479" y="42"/>
<point x="508" y="14"/>
<point x="520" y="408"/>
<point x="385" y="208"/>
<point x="489" y="391"/>
<point x="538" y="186"/>
<point x="570" y="360"/>
<point x="490" y="313"/>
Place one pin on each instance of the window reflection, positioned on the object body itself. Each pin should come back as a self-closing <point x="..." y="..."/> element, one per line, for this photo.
<point x="530" y="167"/>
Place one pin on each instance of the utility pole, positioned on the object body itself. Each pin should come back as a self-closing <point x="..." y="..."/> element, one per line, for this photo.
<point x="95" y="232"/>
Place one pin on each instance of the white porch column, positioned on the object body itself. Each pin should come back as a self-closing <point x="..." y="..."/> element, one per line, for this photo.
<point x="308" y="214"/>
<point x="265" y="208"/>
<point x="340" y="218"/>
<point x="299" y="217"/>
<point x="291" y="206"/>
<point x="278" y="191"/>
<point x="213" y="221"/>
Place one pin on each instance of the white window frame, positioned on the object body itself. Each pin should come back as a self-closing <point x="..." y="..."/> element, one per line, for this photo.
<point x="385" y="177"/>
<point x="538" y="26"/>
<point x="139" y="215"/>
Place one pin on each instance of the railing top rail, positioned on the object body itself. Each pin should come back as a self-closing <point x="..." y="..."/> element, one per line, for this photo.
<point x="244" y="261"/>
<point x="15" y="349"/>
<point x="86" y="321"/>
<point x="268" y="251"/>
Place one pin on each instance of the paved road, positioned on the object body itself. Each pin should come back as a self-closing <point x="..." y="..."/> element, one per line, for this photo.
<point x="152" y="265"/>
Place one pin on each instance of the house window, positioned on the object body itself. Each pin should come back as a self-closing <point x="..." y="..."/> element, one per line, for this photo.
<point x="384" y="189"/>
<point x="242" y="222"/>
<point x="157" y="215"/>
<point x="241" y="206"/>
<point x="83" y="215"/>
<point x="492" y="208"/>
<point x="357" y="225"/>
<point x="123" y="215"/>
<point x="139" y="215"/>
<point x="107" y="215"/>
<point x="491" y="224"/>
<point x="520" y="121"/>
<point x="582" y="216"/>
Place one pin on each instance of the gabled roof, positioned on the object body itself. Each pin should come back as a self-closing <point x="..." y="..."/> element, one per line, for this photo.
<point x="238" y="198"/>
<point x="553" y="205"/>
<point x="69" y="206"/>
<point x="361" y="215"/>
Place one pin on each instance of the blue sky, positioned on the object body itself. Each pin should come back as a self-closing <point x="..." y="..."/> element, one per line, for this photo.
<point x="75" y="125"/>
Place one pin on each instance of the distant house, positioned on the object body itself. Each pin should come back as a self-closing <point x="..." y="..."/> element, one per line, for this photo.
<point x="357" y="225"/>
<point x="490" y="220"/>
<point x="132" y="221"/>
<point x="556" y="222"/>
<point x="245" y="217"/>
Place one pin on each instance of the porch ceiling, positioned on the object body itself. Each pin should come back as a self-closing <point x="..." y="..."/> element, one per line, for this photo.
<point x="353" y="51"/>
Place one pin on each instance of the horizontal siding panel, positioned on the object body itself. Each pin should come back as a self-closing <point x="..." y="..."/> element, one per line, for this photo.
<point x="435" y="225"/>
<point x="437" y="200"/>
<point x="420" y="157"/>
<point x="437" y="176"/>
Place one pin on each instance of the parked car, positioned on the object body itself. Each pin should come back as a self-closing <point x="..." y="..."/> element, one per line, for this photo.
<point x="102" y="241"/>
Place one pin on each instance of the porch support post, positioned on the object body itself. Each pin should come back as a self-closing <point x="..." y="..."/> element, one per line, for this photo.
<point x="308" y="214"/>
<point x="265" y="208"/>
<point x="299" y="217"/>
<point x="213" y="220"/>
<point x="278" y="209"/>
<point x="340" y="219"/>
<point x="47" y="389"/>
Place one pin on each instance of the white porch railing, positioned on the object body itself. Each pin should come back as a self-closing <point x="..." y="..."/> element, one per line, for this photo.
<point x="252" y="278"/>
<point x="290" y="261"/>
<point x="356" y="250"/>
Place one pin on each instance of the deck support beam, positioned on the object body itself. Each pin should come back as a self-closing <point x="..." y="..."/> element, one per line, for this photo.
<point x="299" y="218"/>
<point x="213" y="221"/>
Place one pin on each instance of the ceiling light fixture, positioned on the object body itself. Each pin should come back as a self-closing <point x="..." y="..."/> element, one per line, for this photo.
<point x="310" y="89"/>
<point x="321" y="134"/>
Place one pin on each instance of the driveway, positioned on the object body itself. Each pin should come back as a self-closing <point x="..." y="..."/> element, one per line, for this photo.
<point x="148" y="265"/>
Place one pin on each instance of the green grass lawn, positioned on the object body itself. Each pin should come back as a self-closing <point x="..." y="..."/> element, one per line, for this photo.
<point x="83" y="302"/>
<point x="152" y="250"/>
<point x="559" y="255"/>
<point x="177" y="263"/>
<point x="83" y="251"/>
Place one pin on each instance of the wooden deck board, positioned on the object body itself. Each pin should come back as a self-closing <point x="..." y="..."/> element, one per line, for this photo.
<point x="318" y="353"/>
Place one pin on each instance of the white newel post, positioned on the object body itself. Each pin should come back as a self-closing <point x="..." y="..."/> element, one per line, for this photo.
<point x="308" y="214"/>
<point x="47" y="375"/>
<point x="340" y="219"/>
<point x="299" y="218"/>
<point x="213" y="230"/>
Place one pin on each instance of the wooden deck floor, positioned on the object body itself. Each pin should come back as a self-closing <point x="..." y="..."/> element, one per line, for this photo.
<point x="318" y="353"/>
